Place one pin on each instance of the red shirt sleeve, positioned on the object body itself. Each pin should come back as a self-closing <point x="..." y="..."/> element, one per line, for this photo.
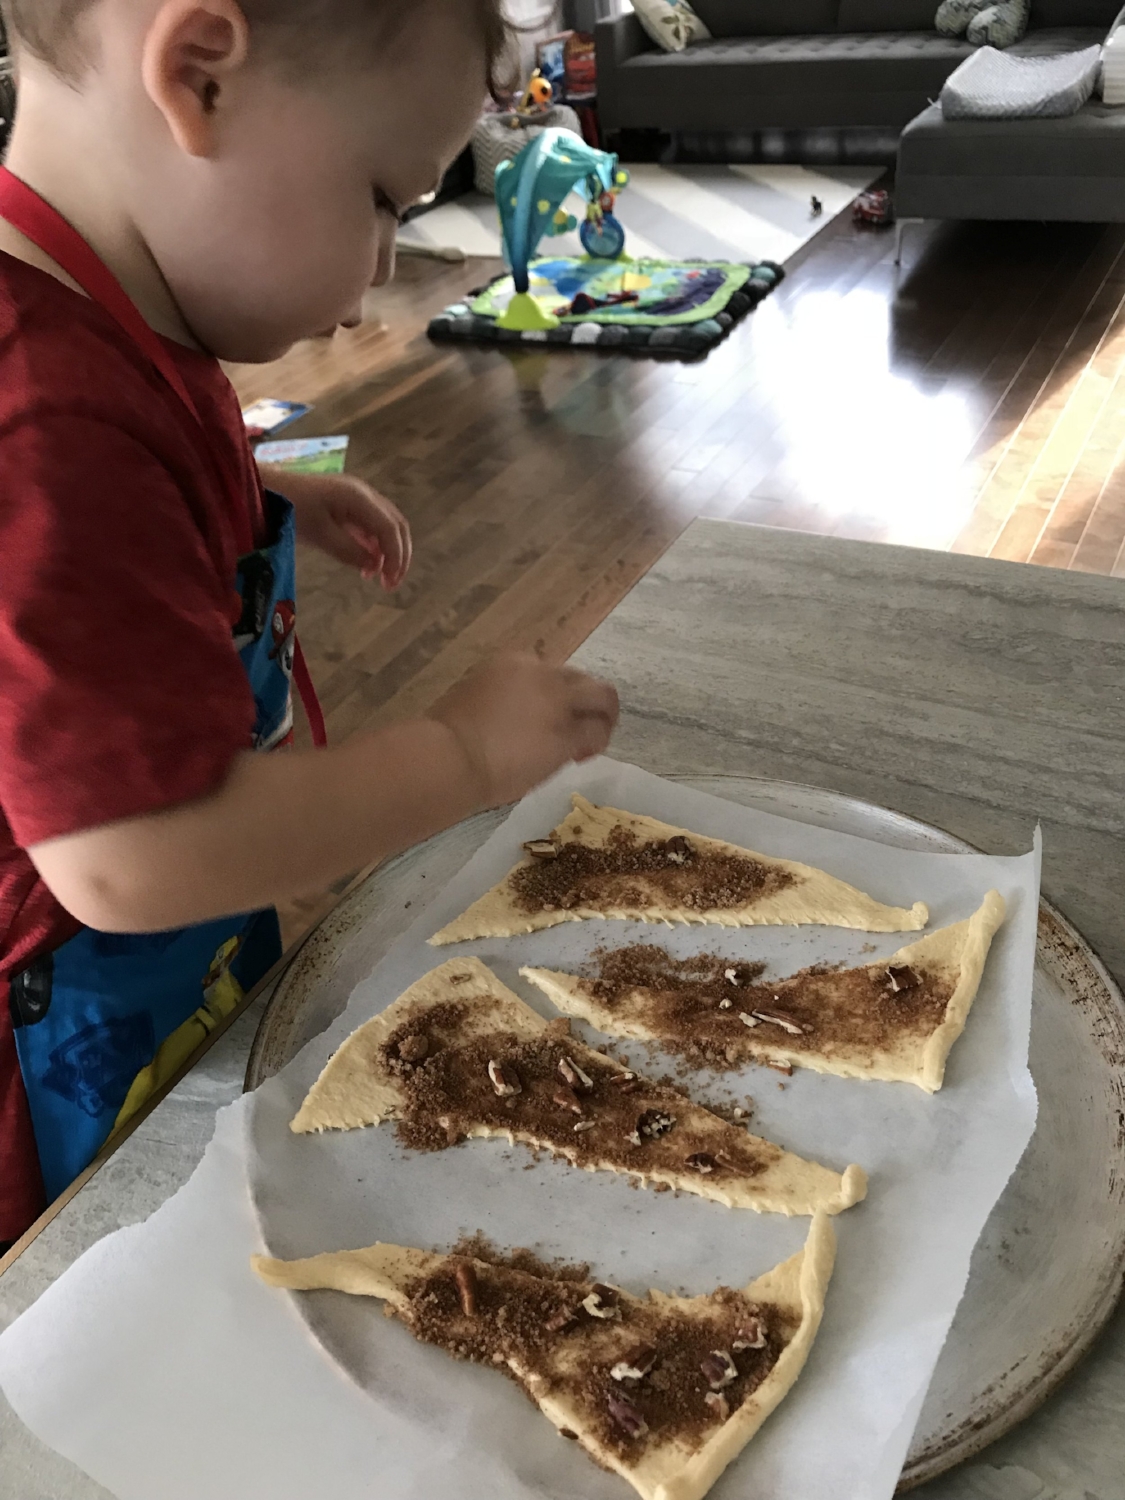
<point x="120" y="688"/>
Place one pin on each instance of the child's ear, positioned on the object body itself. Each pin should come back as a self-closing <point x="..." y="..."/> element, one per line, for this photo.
<point x="191" y="52"/>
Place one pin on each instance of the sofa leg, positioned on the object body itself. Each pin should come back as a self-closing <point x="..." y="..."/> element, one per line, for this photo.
<point x="900" y="225"/>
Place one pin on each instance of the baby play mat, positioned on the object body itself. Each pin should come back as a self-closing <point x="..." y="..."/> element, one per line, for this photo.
<point x="653" y="306"/>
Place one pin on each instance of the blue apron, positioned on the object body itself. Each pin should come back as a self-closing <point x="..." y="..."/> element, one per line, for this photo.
<point x="107" y="1018"/>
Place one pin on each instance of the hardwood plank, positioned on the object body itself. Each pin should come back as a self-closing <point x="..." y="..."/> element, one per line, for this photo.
<point x="973" y="399"/>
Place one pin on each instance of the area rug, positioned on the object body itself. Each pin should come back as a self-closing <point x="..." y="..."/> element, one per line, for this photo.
<point x="674" y="307"/>
<point x="728" y="229"/>
<point x="722" y="213"/>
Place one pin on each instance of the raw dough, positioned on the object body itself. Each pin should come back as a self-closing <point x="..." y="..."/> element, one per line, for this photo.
<point x="953" y="957"/>
<point x="812" y="895"/>
<point x="672" y="1469"/>
<point x="357" y="1088"/>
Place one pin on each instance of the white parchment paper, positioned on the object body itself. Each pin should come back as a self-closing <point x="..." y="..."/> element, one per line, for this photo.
<point x="160" y="1365"/>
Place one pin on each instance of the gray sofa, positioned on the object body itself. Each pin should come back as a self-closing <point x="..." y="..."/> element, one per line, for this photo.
<point x="805" y="63"/>
<point x="1069" y="169"/>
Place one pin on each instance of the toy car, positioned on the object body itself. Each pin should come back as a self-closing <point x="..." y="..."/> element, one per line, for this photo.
<point x="874" y="207"/>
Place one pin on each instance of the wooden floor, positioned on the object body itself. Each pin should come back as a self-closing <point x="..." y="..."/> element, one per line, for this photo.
<point x="973" y="400"/>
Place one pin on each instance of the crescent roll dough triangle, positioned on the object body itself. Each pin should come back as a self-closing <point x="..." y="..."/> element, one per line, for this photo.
<point x="895" y="1020"/>
<point x="609" y="863"/>
<point x="458" y="1055"/>
<point x="664" y="1391"/>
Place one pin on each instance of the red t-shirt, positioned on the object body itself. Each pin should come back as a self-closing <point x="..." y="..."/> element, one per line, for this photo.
<point x="120" y="688"/>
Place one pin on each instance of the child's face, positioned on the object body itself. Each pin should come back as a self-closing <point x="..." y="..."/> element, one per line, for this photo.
<point x="275" y="234"/>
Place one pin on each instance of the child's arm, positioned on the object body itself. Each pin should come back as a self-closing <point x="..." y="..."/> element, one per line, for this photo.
<point x="285" y="825"/>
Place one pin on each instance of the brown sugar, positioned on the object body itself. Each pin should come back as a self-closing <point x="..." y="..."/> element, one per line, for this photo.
<point x="638" y="1372"/>
<point x="720" y="1012"/>
<point x="554" y="1091"/>
<point x="628" y="872"/>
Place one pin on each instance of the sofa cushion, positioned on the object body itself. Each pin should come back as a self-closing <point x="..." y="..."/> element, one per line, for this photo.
<point x="1072" y="168"/>
<point x="992" y="85"/>
<point x="841" y="79"/>
<point x="1090" y="143"/>
<point x="1074" y="13"/>
<point x="886" y="15"/>
<point x="726" y="18"/>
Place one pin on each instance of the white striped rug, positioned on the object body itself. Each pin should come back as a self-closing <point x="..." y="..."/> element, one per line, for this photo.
<point x="715" y="212"/>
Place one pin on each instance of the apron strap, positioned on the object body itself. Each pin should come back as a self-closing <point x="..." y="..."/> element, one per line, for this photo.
<point x="313" y="711"/>
<point x="45" y="227"/>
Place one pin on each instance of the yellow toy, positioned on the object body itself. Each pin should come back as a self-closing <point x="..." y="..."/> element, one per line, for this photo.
<point x="537" y="95"/>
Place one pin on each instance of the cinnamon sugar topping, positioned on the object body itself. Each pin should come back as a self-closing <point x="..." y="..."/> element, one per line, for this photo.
<point x="720" y="1013"/>
<point x="629" y="872"/>
<point x="651" y="1372"/>
<point x="514" y="1085"/>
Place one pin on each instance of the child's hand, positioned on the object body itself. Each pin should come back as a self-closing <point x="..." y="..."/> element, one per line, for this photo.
<point x="350" y="521"/>
<point x="518" y="720"/>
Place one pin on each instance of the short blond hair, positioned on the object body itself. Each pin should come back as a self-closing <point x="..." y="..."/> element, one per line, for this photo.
<point x="51" y="30"/>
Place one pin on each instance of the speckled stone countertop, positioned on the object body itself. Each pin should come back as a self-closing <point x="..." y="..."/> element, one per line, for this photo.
<point x="975" y="695"/>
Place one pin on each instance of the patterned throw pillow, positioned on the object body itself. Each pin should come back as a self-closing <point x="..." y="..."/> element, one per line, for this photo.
<point x="672" y="24"/>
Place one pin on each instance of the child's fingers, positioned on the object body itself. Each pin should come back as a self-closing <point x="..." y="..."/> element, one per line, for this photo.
<point x="379" y="530"/>
<point x="591" y="697"/>
<point x="591" y="735"/>
<point x="361" y="550"/>
<point x="377" y="524"/>
<point x="407" y="548"/>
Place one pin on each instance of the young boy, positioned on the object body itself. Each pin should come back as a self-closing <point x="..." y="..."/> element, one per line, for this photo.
<point x="190" y="180"/>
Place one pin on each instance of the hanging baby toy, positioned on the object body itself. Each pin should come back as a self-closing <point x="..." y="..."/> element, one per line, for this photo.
<point x="530" y="191"/>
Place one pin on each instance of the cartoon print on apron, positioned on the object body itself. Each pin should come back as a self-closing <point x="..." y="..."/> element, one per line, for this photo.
<point x="107" y="1018"/>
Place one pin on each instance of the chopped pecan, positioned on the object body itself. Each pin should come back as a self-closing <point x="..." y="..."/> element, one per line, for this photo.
<point x="654" y="1123"/>
<point x="635" y="1365"/>
<point x="750" y="1335"/>
<point x="701" y="1161"/>
<point x="566" y="1317"/>
<point x="466" y="1278"/>
<point x="566" y="1098"/>
<point x="783" y="1019"/>
<point x="505" y="1080"/>
<point x="719" y="1369"/>
<point x="718" y="1404"/>
<point x="601" y="1302"/>
<point x="749" y="1020"/>
<point x="619" y="1080"/>
<point x="626" y="1414"/>
<point x="572" y="1074"/>
<point x="902" y="977"/>
<point x="779" y="1067"/>
<point x="677" y="850"/>
<point x="542" y="848"/>
<point x="724" y="1005"/>
<point x="580" y="1125"/>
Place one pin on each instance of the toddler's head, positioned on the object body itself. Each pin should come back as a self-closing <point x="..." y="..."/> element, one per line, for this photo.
<point x="259" y="152"/>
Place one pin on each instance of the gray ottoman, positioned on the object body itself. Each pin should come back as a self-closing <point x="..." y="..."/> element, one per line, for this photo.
<point x="1073" y="168"/>
<point x="495" y="140"/>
